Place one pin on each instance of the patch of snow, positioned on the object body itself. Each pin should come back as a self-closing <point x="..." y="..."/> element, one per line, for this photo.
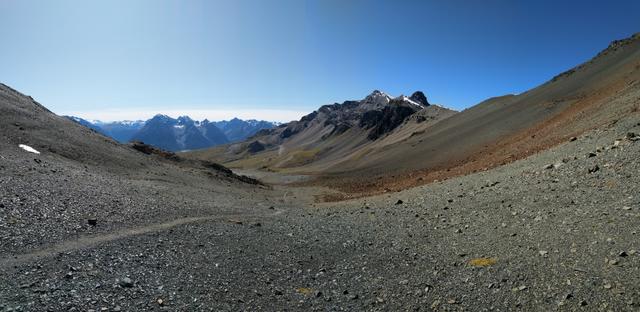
<point x="179" y="126"/>
<point x="131" y="122"/>
<point x="410" y="101"/>
<point x="28" y="148"/>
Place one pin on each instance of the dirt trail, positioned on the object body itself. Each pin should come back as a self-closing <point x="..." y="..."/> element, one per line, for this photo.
<point x="90" y="241"/>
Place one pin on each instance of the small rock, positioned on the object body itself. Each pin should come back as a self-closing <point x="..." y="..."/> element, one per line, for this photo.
<point x="549" y="166"/>
<point x="613" y="262"/>
<point x="591" y="154"/>
<point x="623" y="254"/>
<point x="543" y="253"/>
<point x="626" y="208"/>
<point x="160" y="302"/>
<point x="594" y="169"/>
<point x="126" y="282"/>
<point x="571" y="139"/>
<point x="92" y="221"/>
<point x="399" y="202"/>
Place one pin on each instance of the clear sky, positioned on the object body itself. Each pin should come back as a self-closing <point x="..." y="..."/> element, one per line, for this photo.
<point x="279" y="59"/>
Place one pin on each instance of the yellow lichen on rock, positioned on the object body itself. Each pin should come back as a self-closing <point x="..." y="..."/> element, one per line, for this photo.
<point x="303" y="290"/>
<point x="482" y="262"/>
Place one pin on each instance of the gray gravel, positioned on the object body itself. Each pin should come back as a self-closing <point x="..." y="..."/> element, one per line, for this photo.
<point x="552" y="237"/>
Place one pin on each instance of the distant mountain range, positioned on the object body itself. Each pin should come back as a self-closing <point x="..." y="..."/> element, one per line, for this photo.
<point x="178" y="134"/>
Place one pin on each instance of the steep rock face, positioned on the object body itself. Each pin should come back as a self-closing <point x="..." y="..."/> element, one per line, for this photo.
<point x="384" y="121"/>
<point x="419" y="97"/>
<point x="378" y="113"/>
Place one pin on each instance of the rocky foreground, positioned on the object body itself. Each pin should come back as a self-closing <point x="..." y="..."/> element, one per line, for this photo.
<point x="556" y="231"/>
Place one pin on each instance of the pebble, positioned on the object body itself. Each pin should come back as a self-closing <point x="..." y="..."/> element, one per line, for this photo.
<point x="126" y="282"/>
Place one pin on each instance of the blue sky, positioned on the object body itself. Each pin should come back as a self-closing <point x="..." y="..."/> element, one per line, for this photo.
<point x="278" y="59"/>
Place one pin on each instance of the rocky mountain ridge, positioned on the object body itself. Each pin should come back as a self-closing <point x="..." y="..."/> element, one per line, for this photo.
<point x="175" y="134"/>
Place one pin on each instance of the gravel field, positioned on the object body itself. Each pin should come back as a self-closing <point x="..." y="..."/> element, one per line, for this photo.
<point x="555" y="231"/>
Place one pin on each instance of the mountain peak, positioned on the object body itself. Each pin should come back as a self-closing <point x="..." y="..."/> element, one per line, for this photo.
<point x="419" y="97"/>
<point x="161" y="116"/>
<point x="376" y="99"/>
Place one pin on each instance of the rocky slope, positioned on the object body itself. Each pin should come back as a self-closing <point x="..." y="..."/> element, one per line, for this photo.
<point x="57" y="174"/>
<point x="90" y="224"/>
<point x="495" y="132"/>
<point x="556" y="231"/>
<point x="331" y="133"/>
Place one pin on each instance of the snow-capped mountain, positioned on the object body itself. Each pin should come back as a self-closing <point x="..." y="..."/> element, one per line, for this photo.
<point x="178" y="134"/>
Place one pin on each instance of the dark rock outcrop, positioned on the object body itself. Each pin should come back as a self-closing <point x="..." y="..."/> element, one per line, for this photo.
<point x="255" y="147"/>
<point x="419" y="97"/>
